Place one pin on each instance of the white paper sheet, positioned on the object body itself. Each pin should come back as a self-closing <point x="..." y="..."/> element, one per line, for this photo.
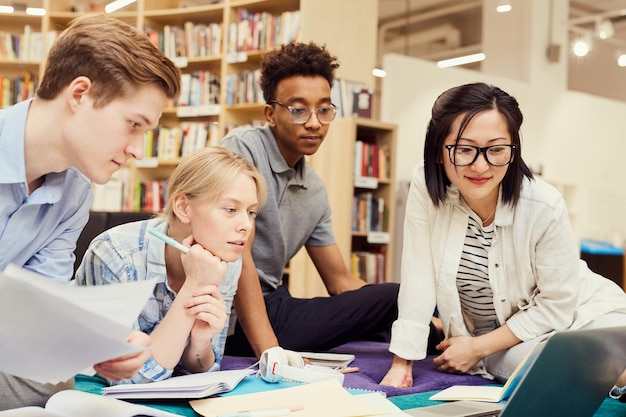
<point x="319" y="399"/>
<point x="49" y="331"/>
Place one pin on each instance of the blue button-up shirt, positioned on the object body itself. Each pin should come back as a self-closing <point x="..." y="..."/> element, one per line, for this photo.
<point x="129" y="253"/>
<point x="38" y="231"/>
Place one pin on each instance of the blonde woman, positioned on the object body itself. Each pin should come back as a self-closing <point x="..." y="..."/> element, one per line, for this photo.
<point x="213" y="198"/>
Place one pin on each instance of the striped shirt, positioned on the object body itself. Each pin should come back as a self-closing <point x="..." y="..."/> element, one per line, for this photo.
<point x="473" y="276"/>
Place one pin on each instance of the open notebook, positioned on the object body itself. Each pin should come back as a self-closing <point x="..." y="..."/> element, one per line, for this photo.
<point x="72" y="403"/>
<point x="185" y="386"/>
<point x="491" y="393"/>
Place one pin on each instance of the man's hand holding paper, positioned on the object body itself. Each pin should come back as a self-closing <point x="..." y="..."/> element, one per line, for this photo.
<point x="51" y="331"/>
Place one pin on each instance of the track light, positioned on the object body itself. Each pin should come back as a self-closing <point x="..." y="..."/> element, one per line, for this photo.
<point x="581" y="47"/>
<point x="604" y="29"/>
<point x="378" y="72"/>
<point x="35" y="11"/>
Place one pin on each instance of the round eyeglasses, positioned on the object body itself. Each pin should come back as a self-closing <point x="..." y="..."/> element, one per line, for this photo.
<point x="301" y="115"/>
<point x="495" y="155"/>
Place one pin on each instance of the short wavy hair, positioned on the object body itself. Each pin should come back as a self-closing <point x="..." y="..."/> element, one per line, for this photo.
<point x="115" y="56"/>
<point x="292" y="59"/>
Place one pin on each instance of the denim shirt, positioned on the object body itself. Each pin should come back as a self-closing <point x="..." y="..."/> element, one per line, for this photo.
<point x="129" y="253"/>
<point x="539" y="282"/>
<point x="38" y="231"/>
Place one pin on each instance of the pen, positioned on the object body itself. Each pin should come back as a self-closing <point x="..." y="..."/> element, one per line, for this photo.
<point x="169" y="240"/>
<point x="349" y="370"/>
<point x="266" y="412"/>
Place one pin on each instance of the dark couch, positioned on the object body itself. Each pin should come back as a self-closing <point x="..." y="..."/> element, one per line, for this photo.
<point x="99" y="221"/>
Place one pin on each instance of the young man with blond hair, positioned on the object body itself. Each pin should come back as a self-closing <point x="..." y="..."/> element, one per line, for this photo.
<point x="103" y="87"/>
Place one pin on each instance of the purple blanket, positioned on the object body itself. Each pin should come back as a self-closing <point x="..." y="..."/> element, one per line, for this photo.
<point x="373" y="359"/>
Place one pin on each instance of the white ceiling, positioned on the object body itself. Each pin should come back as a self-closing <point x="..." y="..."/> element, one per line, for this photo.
<point x="396" y="8"/>
<point x="467" y="13"/>
<point x="440" y="29"/>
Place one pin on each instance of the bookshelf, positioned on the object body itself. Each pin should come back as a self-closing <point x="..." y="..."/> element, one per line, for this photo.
<point x="18" y="71"/>
<point x="348" y="28"/>
<point x="335" y="163"/>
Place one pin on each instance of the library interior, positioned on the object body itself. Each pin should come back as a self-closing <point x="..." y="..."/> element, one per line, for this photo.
<point x="563" y="60"/>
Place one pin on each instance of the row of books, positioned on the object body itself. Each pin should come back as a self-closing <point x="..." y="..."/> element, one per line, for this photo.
<point x="172" y="143"/>
<point x="254" y="31"/>
<point x="114" y="194"/>
<point x="150" y="196"/>
<point x="28" y="46"/>
<point x="244" y="88"/>
<point x="352" y="98"/>
<point x="369" y="266"/>
<point x="16" y="89"/>
<point x="371" y="159"/>
<point x="369" y="213"/>
<point x="253" y="123"/>
<point x="191" y="40"/>
<point x="199" y="88"/>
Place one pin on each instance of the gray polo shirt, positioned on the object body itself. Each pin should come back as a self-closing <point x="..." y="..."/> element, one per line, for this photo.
<point x="297" y="211"/>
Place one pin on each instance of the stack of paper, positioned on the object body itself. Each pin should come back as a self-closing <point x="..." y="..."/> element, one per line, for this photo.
<point x="330" y="360"/>
<point x="53" y="331"/>
<point x="318" y="399"/>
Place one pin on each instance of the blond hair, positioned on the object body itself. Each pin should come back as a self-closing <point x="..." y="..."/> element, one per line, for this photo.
<point x="205" y="174"/>
<point x="115" y="56"/>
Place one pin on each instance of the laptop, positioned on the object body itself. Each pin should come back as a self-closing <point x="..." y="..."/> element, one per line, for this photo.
<point x="570" y="377"/>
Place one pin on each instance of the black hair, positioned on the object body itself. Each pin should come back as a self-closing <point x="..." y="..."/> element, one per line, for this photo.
<point x="294" y="59"/>
<point x="469" y="100"/>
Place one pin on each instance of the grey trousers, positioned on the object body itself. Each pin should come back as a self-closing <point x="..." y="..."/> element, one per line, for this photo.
<point x="18" y="392"/>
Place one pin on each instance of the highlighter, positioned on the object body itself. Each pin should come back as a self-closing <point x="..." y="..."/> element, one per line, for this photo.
<point x="169" y="240"/>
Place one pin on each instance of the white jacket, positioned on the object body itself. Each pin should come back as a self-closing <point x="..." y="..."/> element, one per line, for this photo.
<point x="539" y="282"/>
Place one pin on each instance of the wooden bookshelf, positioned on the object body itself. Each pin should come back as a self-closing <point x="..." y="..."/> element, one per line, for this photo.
<point x="335" y="164"/>
<point x="348" y="28"/>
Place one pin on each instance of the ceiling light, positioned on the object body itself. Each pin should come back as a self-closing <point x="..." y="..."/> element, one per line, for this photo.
<point x="116" y="5"/>
<point x="35" y="11"/>
<point x="581" y="47"/>
<point x="504" y="6"/>
<point x="462" y="60"/>
<point x="6" y="9"/>
<point x="377" y="72"/>
<point x="620" y="56"/>
<point x="605" y="29"/>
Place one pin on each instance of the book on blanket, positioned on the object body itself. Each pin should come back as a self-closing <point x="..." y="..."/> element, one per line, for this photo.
<point x="185" y="386"/>
<point x="491" y="393"/>
<point x="330" y="360"/>
<point x="72" y="403"/>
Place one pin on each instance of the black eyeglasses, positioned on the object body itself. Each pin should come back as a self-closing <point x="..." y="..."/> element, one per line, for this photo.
<point x="301" y="115"/>
<point x="495" y="155"/>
